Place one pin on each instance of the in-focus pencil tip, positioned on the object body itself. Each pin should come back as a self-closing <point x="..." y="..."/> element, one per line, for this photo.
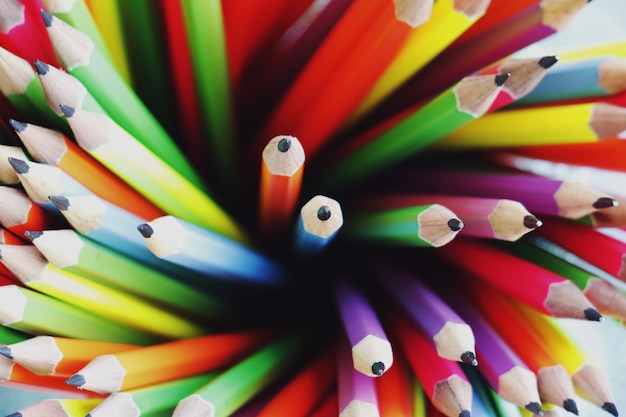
<point x="18" y="126"/>
<point x="145" y="230"/>
<point x="378" y="368"/>
<point x="60" y="202"/>
<point x="548" y="61"/>
<point x="284" y="144"/>
<point x="32" y="234"/>
<point x="41" y="67"/>
<point x="455" y="225"/>
<point x="76" y="380"/>
<point x="19" y="166"/>
<point x="532" y="222"/>
<point x="469" y="358"/>
<point x="323" y="213"/>
<point x="592" y="314"/>
<point x="67" y="110"/>
<point x="570" y="405"/>
<point x="47" y="17"/>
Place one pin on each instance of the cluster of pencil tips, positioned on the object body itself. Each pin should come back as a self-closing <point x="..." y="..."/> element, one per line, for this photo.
<point x="164" y="253"/>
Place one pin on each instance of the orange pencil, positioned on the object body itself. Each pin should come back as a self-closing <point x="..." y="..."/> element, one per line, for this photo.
<point x="19" y="214"/>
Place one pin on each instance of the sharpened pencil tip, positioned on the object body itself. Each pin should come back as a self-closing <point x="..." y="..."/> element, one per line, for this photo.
<point x="6" y="352"/>
<point x="60" y="202"/>
<point x="534" y="407"/>
<point x="604" y="202"/>
<point x="532" y="222"/>
<point x="378" y="368"/>
<point x="455" y="225"/>
<point x="570" y="405"/>
<point x="32" y="234"/>
<point x="67" y="110"/>
<point x="41" y="67"/>
<point x="76" y="380"/>
<point x="19" y="166"/>
<point x="323" y="213"/>
<point x="145" y="229"/>
<point x="547" y="61"/>
<point x="465" y="413"/>
<point x="284" y="144"/>
<point x="501" y="78"/>
<point x="18" y="126"/>
<point x="592" y="314"/>
<point x="16" y="414"/>
<point x="469" y="358"/>
<point x="610" y="407"/>
<point x="47" y="17"/>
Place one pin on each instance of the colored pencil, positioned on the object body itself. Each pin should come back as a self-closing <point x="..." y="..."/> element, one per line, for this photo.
<point x="438" y="322"/>
<point x="201" y="250"/>
<point x="430" y="225"/>
<point x="70" y="251"/>
<point x="239" y="383"/>
<point x="319" y="222"/>
<point x="282" y="169"/>
<point x="18" y="213"/>
<point x="65" y="407"/>
<point x="467" y="100"/>
<point x="164" y="362"/>
<point x="29" y="265"/>
<point x="549" y="293"/>
<point x="115" y="148"/>
<point x="7" y="173"/>
<point x="371" y="351"/>
<point x="540" y="195"/>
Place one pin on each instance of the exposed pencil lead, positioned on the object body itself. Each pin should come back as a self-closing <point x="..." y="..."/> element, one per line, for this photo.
<point x="469" y="358"/>
<point x="378" y="368"/>
<point x="592" y="314"/>
<point x="610" y="407"/>
<point x="570" y="405"/>
<point x="6" y="351"/>
<point x="547" y="61"/>
<point x="16" y="414"/>
<point x="60" y="202"/>
<point x="605" y="202"/>
<point x="32" y="234"/>
<point x="47" y="17"/>
<point x="41" y="67"/>
<point x="18" y="126"/>
<point x="284" y="144"/>
<point x="534" y="407"/>
<point x="501" y="78"/>
<point x="532" y="222"/>
<point x="455" y="225"/>
<point x="67" y="110"/>
<point x="145" y="230"/>
<point x="76" y="380"/>
<point x="465" y="413"/>
<point x="19" y="166"/>
<point x="323" y="213"/>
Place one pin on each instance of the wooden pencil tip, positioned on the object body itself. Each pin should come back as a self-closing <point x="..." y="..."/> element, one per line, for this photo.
<point x="41" y="67"/>
<point x="610" y="407"/>
<point x="570" y="405"/>
<point x="469" y="358"/>
<point x="19" y="127"/>
<point x="465" y="413"/>
<point x="592" y="314"/>
<point x="501" y="78"/>
<point x="67" y="110"/>
<point x="145" y="230"/>
<point x="19" y="166"/>
<point x="378" y="368"/>
<point x="32" y="234"/>
<point x="76" y="380"/>
<point x="547" y="61"/>
<point x="605" y="202"/>
<point x="47" y="17"/>
<point x="532" y="222"/>
<point x="534" y="407"/>
<point x="6" y="352"/>
<point x="455" y="225"/>
<point x="60" y="202"/>
<point x="323" y="213"/>
<point x="284" y="144"/>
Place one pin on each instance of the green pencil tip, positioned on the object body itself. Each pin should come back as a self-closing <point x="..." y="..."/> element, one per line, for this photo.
<point x="67" y="110"/>
<point x="455" y="225"/>
<point x="570" y="405"/>
<point x="47" y="17"/>
<point x="18" y="165"/>
<point x="604" y="202"/>
<point x="469" y="358"/>
<point x="378" y="368"/>
<point x="18" y="126"/>
<point x="465" y="413"/>
<point x="532" y="222"/>
<point x="6" y="352"/>
<point x="284" y="144"/>
<point x="60" y="202"/>
<point x="547" y="61"/>
<point x="501" y="78"/>
<point x="592" y="314"/>
<point x="610" y="407"/>
<point x="534" y="407"/>
<point x="145" y="229"/>
<point x="32" y="234"/>
<point x="323" y="213"/>
<point x="76" y="380"/>
<point x="41" y="67"/>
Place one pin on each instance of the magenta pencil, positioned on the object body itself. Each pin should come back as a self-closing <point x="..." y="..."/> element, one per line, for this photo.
<point x="371" y="350"/>
<point x="446" y="331"/>
<point x="356" y="391"/>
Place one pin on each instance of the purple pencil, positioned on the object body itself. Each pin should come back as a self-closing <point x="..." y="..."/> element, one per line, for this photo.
<point x="540" y="195"/>
<point x="371" y="351"/>
<point x="450" y="335"/>
<point x="356" y="391"/>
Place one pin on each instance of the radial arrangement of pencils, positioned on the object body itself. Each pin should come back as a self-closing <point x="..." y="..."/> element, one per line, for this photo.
<point x="309" y="208"/>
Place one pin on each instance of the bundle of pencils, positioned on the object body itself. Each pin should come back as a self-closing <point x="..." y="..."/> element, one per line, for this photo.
<point x="309" y="208"/>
